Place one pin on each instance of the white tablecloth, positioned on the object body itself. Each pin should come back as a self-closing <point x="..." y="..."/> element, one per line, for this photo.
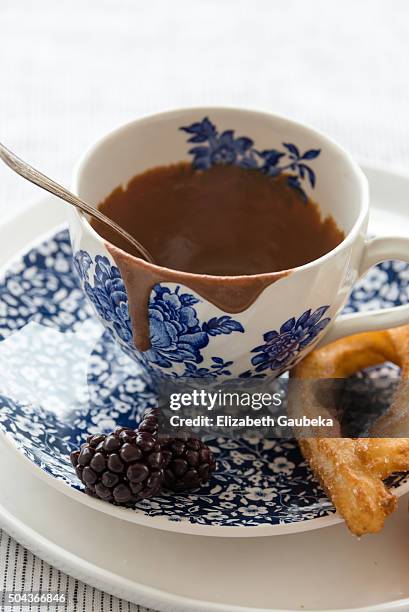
<point x="20" y="570"/>
<point x="71" y="70"/>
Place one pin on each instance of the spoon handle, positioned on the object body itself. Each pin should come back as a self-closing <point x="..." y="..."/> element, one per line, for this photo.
<point x="36" y="177"/>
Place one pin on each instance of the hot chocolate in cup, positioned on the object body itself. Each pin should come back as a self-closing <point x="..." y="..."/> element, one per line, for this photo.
<point x="179" y="323"/>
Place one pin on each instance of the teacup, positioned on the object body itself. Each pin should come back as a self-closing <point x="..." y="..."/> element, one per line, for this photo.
<point x="181" y="324"/>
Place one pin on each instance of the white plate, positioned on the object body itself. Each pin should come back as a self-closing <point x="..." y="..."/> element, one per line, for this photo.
<point x="321" y="570"/>
<point x="241" y="500"/>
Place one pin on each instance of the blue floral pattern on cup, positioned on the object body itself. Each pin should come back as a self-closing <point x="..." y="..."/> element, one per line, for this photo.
<point x="176" y="333"/>
<point x="177" y="336"/>
<point x="257" y="482"/>
<point x="215" y="149"/>
<point x="282" y="347"/>
<point x="108" y="295"/>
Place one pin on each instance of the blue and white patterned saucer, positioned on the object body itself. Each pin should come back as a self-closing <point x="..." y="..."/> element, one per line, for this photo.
<point x="52" y="394"/>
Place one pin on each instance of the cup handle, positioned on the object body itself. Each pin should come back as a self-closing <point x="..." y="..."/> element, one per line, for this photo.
<point x="375" y="251"/>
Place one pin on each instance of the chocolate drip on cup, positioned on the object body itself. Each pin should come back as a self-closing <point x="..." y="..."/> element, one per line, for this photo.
<point x="232" y="294"/>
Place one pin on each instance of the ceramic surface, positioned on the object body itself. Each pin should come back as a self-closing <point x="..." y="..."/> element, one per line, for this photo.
<point x="78" y="540"/>
<point x="64" y="377"/>
<point x="189" y="335"/>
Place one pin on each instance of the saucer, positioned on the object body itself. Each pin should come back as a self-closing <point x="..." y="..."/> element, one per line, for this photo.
<point x="175" y="573"/>
<point x="63" y="377"/>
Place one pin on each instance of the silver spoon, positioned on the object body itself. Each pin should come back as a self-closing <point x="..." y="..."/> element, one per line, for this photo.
<point x="36" y="177"/>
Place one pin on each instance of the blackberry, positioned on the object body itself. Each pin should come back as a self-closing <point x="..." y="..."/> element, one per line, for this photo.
<point x="189" y="463"/>
<point x="124" y="466"/>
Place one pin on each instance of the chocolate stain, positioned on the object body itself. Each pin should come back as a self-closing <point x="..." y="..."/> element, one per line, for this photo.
<point x="232" y="294"/>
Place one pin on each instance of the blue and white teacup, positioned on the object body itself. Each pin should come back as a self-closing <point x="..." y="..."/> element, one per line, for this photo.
<point x="189" y="335"/>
